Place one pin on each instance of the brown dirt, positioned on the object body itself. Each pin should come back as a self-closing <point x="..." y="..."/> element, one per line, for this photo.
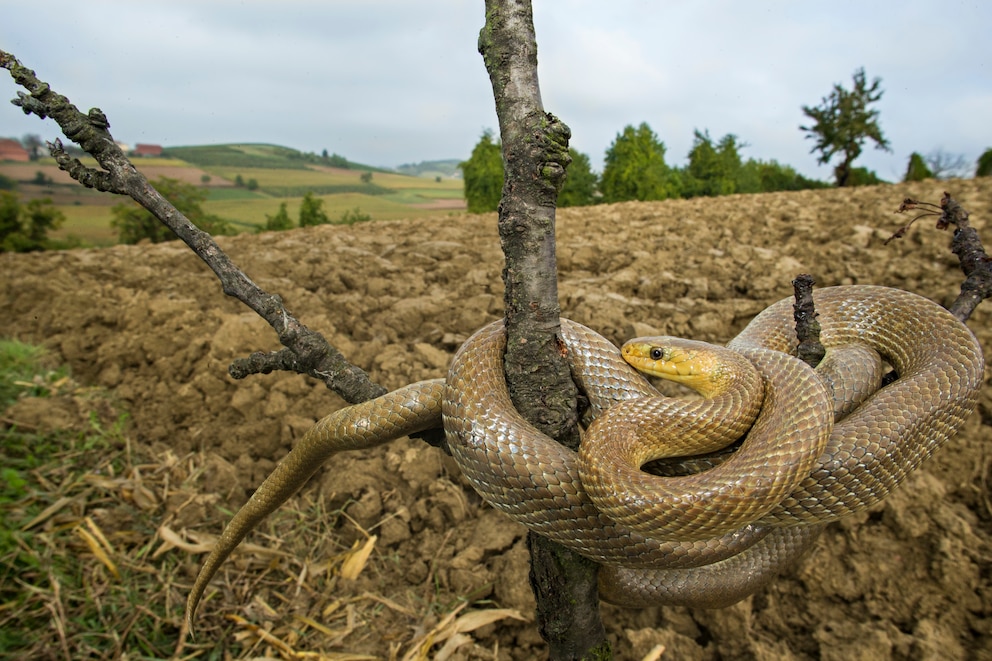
<point x="911" y="579"/>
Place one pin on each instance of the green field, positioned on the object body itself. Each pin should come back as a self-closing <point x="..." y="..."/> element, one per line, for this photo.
<point x="281" y="175"/>
<point x="379" y="207"/>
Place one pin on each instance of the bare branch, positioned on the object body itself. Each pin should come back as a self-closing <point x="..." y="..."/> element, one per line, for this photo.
<point x="535" y="155"/>
<point x="312" y="353"/>
<point x="810" y="349"/>
<point x="965" y="243"/>
<point x="975" y="263"/>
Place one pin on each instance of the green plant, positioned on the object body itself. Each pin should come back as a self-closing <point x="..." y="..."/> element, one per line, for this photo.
<point x="312" y="211"/>
<point x="483" y="175"/>
<point x="25" y="227"/>
<point x="863" y="177"/>
<point x="714" y="169"/>
<point x="983" y="168"/>
<point x="25" y="369"/>
<point x="916" y="169"/>
<point x="580" y="182"/>
<point x="770" y="176"/>
<point x="635" y="168"/>
<point x="351" y="216"/>
<point x="280" y="221"/>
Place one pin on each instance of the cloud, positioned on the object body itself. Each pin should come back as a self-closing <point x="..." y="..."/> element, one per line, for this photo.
<point x="387" y="82"/>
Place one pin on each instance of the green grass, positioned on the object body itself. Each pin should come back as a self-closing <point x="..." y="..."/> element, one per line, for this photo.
<point x="284" y="178"/>
<point x="88" y="223"/>
<point x="95" y="565"/>
<point x="223" y="194"/>
<point x="83" y="574"/>
<point x="55" y="602"/>
<point x="377" y="206"/>
<point x="24" y="369"/>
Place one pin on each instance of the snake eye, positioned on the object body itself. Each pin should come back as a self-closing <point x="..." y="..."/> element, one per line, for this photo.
<point x="657" y="353"/>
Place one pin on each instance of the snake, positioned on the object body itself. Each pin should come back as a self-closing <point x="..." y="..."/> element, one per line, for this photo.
<point x="807" y="453"/>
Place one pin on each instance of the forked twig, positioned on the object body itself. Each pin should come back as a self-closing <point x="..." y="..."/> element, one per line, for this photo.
<point x="965" y="243"/>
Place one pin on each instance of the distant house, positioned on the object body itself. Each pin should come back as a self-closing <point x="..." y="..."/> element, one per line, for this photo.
<point x="147" y="150"/>
<point x="11" y="150"/>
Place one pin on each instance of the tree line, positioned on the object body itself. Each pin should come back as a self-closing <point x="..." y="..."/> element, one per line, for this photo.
<point x="635" y="167"/>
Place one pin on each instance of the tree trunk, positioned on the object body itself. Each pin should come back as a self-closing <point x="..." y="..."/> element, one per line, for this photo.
<point x="535" y="155"/>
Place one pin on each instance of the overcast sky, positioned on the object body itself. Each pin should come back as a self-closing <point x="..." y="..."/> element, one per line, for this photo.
<point x="397" y="81"/>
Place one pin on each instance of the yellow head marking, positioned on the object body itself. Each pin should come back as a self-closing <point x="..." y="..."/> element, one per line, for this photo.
<point x="690" y="363"/>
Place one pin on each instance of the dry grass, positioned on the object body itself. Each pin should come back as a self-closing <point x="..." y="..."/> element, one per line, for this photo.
<point x="99" y="541"/>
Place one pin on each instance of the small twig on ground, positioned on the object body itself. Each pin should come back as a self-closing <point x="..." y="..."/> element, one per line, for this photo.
<point x="307" y="351"/>
<point x="810" y="350"/>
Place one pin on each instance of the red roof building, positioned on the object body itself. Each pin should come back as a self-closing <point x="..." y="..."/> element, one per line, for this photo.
<point x="11" y="150"/>
<point x="147" y="150"/>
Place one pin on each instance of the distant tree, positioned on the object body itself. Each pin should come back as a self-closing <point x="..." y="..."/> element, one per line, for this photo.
<point x="10" y="217"/>
<point x="239" y="181"/>
<point x="6" y="183"/>
<point x="635" y="168"/>
<point x="983" y="167"/>
<point x="204" y="179"/>
<point x="483" y="175"/>
<point x="280" y="221"/>
<point x="945" y="165"/>
<point x="864" y="177"/>
<point x="713" y="169"/>
<point x="312" y="211"/>
<point x="323" y="155"/>
<point x="352" y="216"/>
<point x="338" y="161"/>
<point x="252" y="184"/>
<point x="916" y="169"/>
<point x="133" y="223"/>
<point x="437" y="179"/>
<point x="580" y="182"/>
<point x="771" y="176"/>
<point x="843" y="122"/>
<point x="33" y="144"/>
<point x="366" y="177"/>
<point x="24" y="228"/>
<point x="40" y="178"/>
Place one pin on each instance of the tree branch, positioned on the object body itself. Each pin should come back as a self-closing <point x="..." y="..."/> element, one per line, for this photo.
<point x="311" y="353"/>
<point x="810" y="350"/>
<point x="965" y="243"/>
<point x="535" y="155"/>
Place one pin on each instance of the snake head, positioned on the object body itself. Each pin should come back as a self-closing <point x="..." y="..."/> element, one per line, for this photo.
<point x="696" y="365"/>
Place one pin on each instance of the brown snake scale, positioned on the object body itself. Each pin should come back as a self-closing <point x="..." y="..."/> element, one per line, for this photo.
<point x="703" y="539"/>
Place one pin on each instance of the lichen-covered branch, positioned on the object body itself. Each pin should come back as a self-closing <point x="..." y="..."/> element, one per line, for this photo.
<point x="535" y="155"/>
<point x="310" y="352"/>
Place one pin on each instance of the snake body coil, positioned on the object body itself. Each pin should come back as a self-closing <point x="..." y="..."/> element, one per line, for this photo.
<point x="707" y="539"/>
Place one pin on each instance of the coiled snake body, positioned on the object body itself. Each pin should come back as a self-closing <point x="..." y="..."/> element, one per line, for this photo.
<point x="705" y="539"/>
